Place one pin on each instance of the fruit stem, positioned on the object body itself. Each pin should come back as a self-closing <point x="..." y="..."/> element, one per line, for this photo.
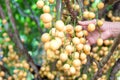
<point x="59" y="9"/>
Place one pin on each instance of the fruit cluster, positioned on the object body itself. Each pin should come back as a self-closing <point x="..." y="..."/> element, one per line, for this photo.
<point x="65" y="45"/>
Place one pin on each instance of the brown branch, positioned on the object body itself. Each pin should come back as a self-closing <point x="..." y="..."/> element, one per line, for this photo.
<point x="70" y="9"/>
<point x="114" y="70"/>
<point x="15" y="37"/>
<point x="105" y="60"/>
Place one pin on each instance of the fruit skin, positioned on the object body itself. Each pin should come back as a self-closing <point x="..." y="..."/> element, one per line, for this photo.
<point x="91" y="15"/>
<point x="100" y="23"/>
<point x="45" y="37"/>
<point x="40" y="3"/>
<point x="46" y="9"/>
<point x="51" y="1"/>
<point x="59" y="25"/>
<point x="78" y="28"/>
<point x="63" y="57"/>
<point x="76" y="63"/>
<point x="91" y="27"/>
<point x="100" y="5"/>
<point x="85" y="14"/>
<point x="48" y="25"/>
<point x="46" y="17"/>
<point x="66" y="66"/>
<point x="99" y="42"/>
<point x="72" y="70"/>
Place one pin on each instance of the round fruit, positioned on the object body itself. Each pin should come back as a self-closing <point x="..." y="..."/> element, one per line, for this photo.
<point x="87" y="48"/>
<point x="40" y="3"/>
<point x="99" y="42"/>
<point x="66" y="66"/>
<point x="91" y="15"/>
<point x="48" y="25"/>
<point x="76" y="40"/>
<point x="45" y="37"/>
<point x="79" y="34"/>
<point x="46" y="17"/>
<point x="69" y="28"/>
<point x="76" y="55"/>
<point x="79" y="47"/>
<point x="85" y="32"/>
<point x="83" y="56"/>
<point x="76" y="62"/>
<point x="59" y="25"/>
<point x="51" y="1"/>
<point x="100" y="23"/>
<point x="100" y="5"/>
<point x="63" y="57"/>
<point x="91" y="27"/>
<point x="54" y="45"/>
<point x="46" y="9"/>
<point x="69" y="48"/>
<point x="85" y="14"/>
<point x="84" y="76"/>
<point x="78" y="28"/>
<point x="86" y="2"/>
<point x="72" y="70"/>
<point x="47" y="45"/>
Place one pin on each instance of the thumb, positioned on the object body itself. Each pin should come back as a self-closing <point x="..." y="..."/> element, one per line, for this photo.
<point x="85" y="23"/>
<point x="105" y="35"/>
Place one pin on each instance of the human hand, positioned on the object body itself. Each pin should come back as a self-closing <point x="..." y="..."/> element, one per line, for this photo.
<point x="93" y="36"/>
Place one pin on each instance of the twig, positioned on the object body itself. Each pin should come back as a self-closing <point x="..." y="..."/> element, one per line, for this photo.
<point x="114" y="70"/>
<point x="59" y="8"/>
<point x="105" y="60"/>
<point x="17" y="40"/>
<point x="70" y="9"/>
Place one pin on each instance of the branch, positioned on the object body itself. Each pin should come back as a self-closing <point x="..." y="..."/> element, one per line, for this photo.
<point x="59" y="8"/>
<point x="114" y="70"/>
<point x="105" y="60"/>
<point x="15" y="37"/>
<point x="32" y="16"/>
<point x="70" y="9"/>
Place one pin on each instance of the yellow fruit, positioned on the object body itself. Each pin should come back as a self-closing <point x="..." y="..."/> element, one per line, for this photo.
<point x="51" y="1"/>
<point x="100" y="5"/>
<point x="99" y="42"/>
<point x="79" y="34"/>
<point x="40" y="3"/>
<point x="59" y="25"/>
<point x="84" y="76"/>
<point x="106" y="42"/>
<point x="46" y="9"/>
<point x="91" y="15"/>
<point x="86" y="14"/>
<point x="54" y="45"/>
<point x="46" y="17"/>
<point x="66" y="66"/>
<point x="69" y="48"/>
<point x="76" y="63"/>
<point x="76" y="55"/>
<point x="91" y="27"/>
<point x="48" y="25"/>
<point x="76" y="40"/>
<point x="2" y="73"/>
<point x="82" y="40"/>
<point x="79" y="47"/>
<point x="4" y="21"/>
<point x="63" y="57"/>
<point x="85" y="32"/>
<point x="76" y="7"/>
<point x="84" y="61"/>
<point x="78" y="28"/>
<point x="72" y="70"/>
<point x="60" y="34"/>
<point x="100" y="23"/>
<point x="69" y="28"/>
<point x="87" y="48"/>
<point x="86" y="2"/>
<point x="45" y="37"/>
<point x="83" y="56"/>
<point x="47" y="45"/>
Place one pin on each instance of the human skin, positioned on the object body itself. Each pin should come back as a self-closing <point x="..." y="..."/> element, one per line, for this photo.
<point x="108" y="30"/>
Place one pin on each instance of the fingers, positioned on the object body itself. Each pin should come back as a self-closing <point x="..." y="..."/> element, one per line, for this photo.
<point x="85" y="23"/>
<point x="106" y="35"/>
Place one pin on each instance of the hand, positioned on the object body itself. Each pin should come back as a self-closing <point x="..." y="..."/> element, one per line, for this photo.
<point x="93" y="36"/>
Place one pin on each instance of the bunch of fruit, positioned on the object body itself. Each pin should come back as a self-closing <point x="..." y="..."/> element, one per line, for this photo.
<point x="65" y="44"/>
